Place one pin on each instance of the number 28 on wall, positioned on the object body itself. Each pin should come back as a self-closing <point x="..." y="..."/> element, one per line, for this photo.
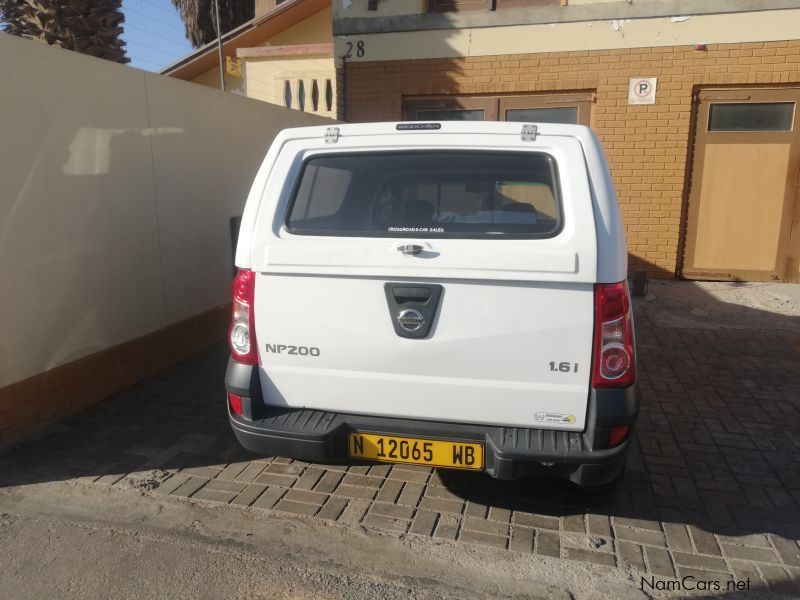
<point x="358" y="48"/>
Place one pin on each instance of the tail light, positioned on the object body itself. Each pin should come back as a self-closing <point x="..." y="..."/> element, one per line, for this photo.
<point x="235" y="402"/>
<point x="618" y="434"/>
<point x="242" y="335"/>
<point x="614" y="361"/>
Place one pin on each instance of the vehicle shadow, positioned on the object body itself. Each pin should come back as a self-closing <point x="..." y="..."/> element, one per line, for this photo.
<point x="716" y="449"/>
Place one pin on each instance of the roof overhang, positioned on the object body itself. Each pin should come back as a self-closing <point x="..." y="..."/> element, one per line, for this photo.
<point x="247" y="35"/>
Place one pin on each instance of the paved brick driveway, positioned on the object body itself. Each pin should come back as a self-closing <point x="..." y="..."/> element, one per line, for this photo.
<point x="712" y="490"/>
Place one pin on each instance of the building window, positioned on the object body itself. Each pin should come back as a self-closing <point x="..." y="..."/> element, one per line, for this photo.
<point x="448" y="5"/>
<point x="315" y="96"/>
<point x="758" y="116"/>
<point x="457" y="5"/>
<point x="301" y="94"/>
<point x="329" y="95"/>
<point x="287" y="93"/>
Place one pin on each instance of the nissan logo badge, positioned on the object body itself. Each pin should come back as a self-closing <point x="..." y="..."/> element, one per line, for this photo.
<point x="411" y="320"/>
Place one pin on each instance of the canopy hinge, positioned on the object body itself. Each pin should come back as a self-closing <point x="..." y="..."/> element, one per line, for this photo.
<point x="331" y="135"/>
<point x="529" y="133"/>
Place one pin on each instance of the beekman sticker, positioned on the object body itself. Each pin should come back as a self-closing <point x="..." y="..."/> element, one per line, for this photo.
<point x="545" y="417"/>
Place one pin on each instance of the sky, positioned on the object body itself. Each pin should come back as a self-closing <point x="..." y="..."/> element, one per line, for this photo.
<point x="154" y="34"/>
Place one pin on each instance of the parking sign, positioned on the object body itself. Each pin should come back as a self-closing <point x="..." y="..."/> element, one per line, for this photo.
<point x="642" y="90"/>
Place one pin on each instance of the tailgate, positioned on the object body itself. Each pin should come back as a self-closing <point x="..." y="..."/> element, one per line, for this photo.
<point x="451" y="284"/>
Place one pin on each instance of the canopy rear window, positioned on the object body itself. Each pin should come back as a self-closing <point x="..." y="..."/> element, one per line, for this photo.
<point x="428" y="194"/>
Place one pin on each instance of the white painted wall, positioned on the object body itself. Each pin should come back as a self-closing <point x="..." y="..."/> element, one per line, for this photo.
<point x="116" y="190"/>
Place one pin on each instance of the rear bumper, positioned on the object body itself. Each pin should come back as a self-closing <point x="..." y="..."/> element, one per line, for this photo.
<point x="510" y="452"/>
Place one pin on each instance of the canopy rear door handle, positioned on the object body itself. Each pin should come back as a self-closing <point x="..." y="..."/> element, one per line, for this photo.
<point x="410" y="249"/>
<point x="402" y="295"/>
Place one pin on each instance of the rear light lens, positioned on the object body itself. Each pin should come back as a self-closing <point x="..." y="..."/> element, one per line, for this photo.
<point x="619" y="434"/>
<point x="614" y="361"/>
<point x="242" y="335"/>
<point x="235" y="403"/>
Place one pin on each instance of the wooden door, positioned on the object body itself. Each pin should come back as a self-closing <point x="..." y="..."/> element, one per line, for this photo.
<point x="744" y="185"/>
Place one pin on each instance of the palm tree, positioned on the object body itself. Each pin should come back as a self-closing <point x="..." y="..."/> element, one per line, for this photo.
<point x="198" y="17"/>
<point x="89" y="26"/>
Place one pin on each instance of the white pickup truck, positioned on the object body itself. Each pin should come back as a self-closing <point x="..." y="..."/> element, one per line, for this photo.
<point x="444" y="294"/>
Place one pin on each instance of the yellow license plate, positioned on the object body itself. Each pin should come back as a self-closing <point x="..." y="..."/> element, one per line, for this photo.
<point x="432" y="453"/>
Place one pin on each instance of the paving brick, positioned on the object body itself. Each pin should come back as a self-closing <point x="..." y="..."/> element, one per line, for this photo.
<point x="388" y="523"/>
<point x="333" y="508"/>
<point x="249" y="495"/>
<point x="537" y="521"/>
<point x="214" y="495"/>
<point x="250" y="472"/>
<point x="225" y="486"/>
<point x="744" y="570"/>
<point x="640" y="536"/>
<point x="548" y="543"/>
<point x="409" y="476"/>
<point x="779" y="581"/>
<point x="700" y="575"/>
<point x="522" y="539"/>
<point x="284" y="469"/>
<point x="766" y="555"/>
<point x="189" y="487"/>
<point x="362" y="481"/>
<point x="424" y="522"/>
<point x="658" y="561"/>
<point x="171" y="484"/>
<point x="706" y="563"/>
<point x="574" y="523"/>
<point x="499" y="514"/>
<point x="270" y="497"/>
<point x="599" y="525"/>
<point x="493" y="527"/>
<point x="207" y="472"/>
<point x="637" y="523"/>
<point x="379" y="471"/>
<point x="441" y="492"/>
<point x="276" y="479"/>
<point x="390" y="490"/>
<point x="230" y="472"/>
<point x="300" y="508"/>
<point x="599" y="558"/>
<point x="788" y="550"/>
<point x="705" y="542"/>
<point x="486" y="539"/>
<point x="476" y="509"/>
<point x="296" y="495"/>
<point x="352" y="491"/>
<point x="677" y="537"/>
<point x="411" y="494"/>
<point x="447" y="527"/>
<point x="309" y="478"/>
<point x="391" y="510"/>
<point x="441" y="505"/>
<point x="328" y="482"/>
<point x="354" y="511"/>
<point x="632" y="555"/>
<point x="754" y="539"/>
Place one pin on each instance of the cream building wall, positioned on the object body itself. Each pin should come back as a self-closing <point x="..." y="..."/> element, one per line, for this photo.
<point x="265" y="78"/>
<point x="118" y="189"/>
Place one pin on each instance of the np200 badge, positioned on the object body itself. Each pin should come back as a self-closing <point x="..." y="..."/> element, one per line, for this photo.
<point x="296" y="350"/>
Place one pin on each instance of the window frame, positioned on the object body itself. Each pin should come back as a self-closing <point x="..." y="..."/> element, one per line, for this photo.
<point x="554" y="173"/>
